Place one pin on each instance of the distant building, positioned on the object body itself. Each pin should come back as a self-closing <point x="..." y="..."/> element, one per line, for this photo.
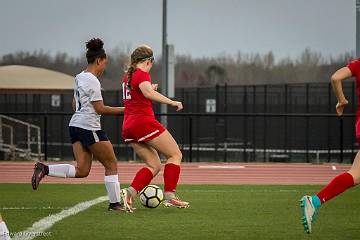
<point x="24" y="88"/>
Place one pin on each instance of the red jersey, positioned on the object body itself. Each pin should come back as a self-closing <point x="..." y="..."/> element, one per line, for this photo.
<point x="354" y="67"/>
<point x="139" y="123"/>
<point x="136" y="104"/>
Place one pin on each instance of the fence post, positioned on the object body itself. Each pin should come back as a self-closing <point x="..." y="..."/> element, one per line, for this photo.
<point x="265" y="110"/>
<point x="225" y="123"/>
<point x="286" y="120"/>
<point x="341" y="140"/>
<point x="245" y="127"/>
<point x="190" y="139"/>
<point x="290" y="122"/>
<point x="45" y="138"/>
<point x="197" y="124"/>
<point x="329" y="122"/>
<point x="216" y="121"/>
<point x="39" y="143"/>
<point x="254" y="125"/>
<point x="183" y="121"/>
<point x="307" y="123"/>
<point x="28" y="142"/>
<point x="1" y="135"/>
<point x="62" y="132"/>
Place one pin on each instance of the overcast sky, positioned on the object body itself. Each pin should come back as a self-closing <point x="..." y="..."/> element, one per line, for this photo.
<point x="195" y="27"/>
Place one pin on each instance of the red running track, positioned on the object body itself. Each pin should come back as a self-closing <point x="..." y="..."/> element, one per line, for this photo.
<point x="195" y="173"/>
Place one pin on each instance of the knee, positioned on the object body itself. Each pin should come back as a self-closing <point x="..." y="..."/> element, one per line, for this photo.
<point x="155" y="169"/>
<point x="110" y="164"/>
<point x="355" y="175"/>
<point x="356" y="178"/>
<point x="82" y="173"/>
<point x="178" y="155"/>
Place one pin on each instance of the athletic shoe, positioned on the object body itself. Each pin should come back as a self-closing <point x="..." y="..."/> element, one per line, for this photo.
<point x="308" y="212"/>
<point x="127" y="200"/>
<point x="176" y="202"/>
<point x="39" y="173"/>
<point x="116" y="207"/>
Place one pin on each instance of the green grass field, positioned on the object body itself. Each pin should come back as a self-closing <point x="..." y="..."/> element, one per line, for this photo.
<point x="216" y="212"/>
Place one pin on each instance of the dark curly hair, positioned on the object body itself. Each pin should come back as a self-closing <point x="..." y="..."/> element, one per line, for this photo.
<point x="95" y="50"/>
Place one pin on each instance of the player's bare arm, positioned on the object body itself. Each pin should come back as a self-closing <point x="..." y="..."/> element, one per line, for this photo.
<point x="101" y="109"/>
<point x="336" y="80"/>
<point x="149" y="92"/>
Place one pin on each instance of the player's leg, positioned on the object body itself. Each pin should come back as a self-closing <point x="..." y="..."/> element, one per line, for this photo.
<point x="83" y="158"/>
<point x="83" y="165"/>
<point x="4" y="231"/>
<point x="144" y="176"/>
<point x="342" y="182"/>
<point x="355" y="169"/>
<point x="104" y="153"/>
<point x="80" y="139"/>
<point x="339" y="184"/>
<point x="167" y="145"/>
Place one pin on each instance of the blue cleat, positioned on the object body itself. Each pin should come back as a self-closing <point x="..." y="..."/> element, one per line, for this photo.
<point x="309" y="213"/>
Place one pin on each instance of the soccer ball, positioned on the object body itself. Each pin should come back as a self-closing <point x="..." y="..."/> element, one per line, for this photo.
<point x="151" y="196"/>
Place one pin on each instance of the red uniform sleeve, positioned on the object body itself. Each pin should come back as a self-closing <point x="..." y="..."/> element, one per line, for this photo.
<point x="142" y="77"/>
<point x="354" y="67"/>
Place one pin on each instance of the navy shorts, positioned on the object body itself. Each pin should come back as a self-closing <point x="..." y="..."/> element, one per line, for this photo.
<point x="86" y="137"/>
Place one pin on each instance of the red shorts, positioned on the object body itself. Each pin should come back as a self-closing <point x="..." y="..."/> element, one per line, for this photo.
<point x="141" y="129"/>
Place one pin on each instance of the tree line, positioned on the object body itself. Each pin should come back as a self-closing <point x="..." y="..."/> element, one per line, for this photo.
<point x="239" y="69"/>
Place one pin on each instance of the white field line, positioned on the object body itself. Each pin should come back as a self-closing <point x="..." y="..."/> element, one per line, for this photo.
<point x="220" y="167"/>
<point x="47" y="222"/>
<point x="34" y="208"/>
<point x="246" y="190"/>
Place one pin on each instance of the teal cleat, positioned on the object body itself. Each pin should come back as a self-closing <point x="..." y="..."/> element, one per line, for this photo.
<point x="309" y="213"/>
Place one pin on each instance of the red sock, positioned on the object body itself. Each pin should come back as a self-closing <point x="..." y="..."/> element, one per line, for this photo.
<point x="338" y="185"/>
<point x="142" y="178"/>
<point x="171" y="177"/>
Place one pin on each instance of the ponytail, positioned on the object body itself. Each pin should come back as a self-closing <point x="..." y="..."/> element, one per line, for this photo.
<point x="131" y="69"/>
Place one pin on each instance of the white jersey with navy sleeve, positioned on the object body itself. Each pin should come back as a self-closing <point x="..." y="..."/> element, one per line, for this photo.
<point x="87" y="89"/>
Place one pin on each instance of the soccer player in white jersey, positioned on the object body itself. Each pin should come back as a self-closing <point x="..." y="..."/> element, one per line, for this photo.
<point x="87" y="137"/>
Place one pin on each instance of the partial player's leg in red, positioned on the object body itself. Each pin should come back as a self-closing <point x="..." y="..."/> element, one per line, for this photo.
<point x="167" y="145"/>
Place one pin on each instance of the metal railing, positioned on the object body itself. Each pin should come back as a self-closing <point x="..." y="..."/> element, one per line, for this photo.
<point x="255" y="135"/>
<point x="11" y="148"/>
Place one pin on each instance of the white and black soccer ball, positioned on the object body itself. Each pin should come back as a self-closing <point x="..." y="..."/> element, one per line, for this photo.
<point x="151" y="196"/>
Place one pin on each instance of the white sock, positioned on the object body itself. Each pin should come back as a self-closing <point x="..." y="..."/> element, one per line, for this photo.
<point x="113" y="188"/>
<point x="62" y="170"/>
<point x="4" y="232"/>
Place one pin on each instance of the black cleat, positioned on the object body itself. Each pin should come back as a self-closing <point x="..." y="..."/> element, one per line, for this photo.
<point x="116" y="207"/>
<point x="40" y="170"/>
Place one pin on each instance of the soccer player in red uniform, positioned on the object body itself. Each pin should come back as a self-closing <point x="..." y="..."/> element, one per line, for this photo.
<point x="145" y="134"/>
<point x="344" y="181"/>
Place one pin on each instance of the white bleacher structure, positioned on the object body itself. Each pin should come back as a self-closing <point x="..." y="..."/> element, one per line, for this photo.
<point x="19" y="140"/>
